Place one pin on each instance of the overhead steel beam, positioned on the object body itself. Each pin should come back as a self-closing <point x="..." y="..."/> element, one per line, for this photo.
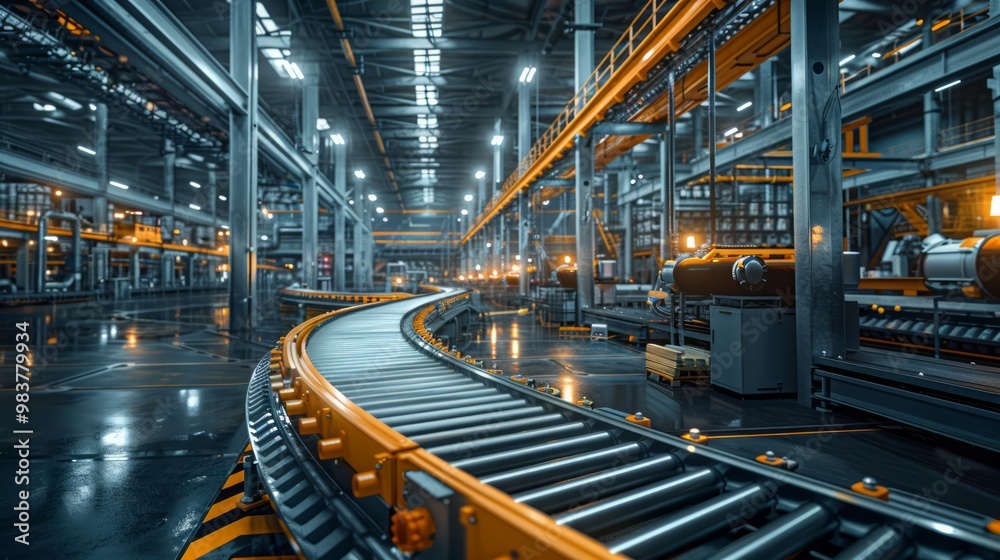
<point x="817" y="194"/>
<point x="46" y="174"/>
<point x="626" y="129"/>
<point x="494" y="47"/>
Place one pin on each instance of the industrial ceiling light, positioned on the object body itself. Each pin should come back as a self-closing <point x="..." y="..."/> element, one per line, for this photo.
<point x="194" y="207"/>
<point x="122" y="186"/>
<point x="465" y="212"/>
<point x="876" y="55"/>
<point x="380" y="210"/>
<point x="46" y="107"/>
<point x="527" y="74"/>
<point x="488" y="245"/>
<point x="744" y="106"/>
<point x="946" y="86"/>
<point x="480" y="174"/>
<point x="338" y="139"/>
<point x="847" y="59"/>
<point x="468" y="198"/>
<point x="385" y="219"/>
<point x="497" y="140"/>
<point x="222" y="198"/>
<point x="195" y="185"/>
<point x="322" y="124"/>
<point x="690" y="242"/>
<point x="995" y="206"/>
<point x="359" y="174"/>
<point x="372" y="197"/>
<point x="731" y="131"/>
<point x="93" y="107"/>
<point x="86" y="150"/>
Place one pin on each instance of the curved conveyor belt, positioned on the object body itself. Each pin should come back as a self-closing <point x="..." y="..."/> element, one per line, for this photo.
<point x="440" y="458"/>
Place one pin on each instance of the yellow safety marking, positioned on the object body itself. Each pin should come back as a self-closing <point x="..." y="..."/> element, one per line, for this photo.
<point x="222" y="507"/>
<point x="233" y="480"/>
<point x="250" y="525"/>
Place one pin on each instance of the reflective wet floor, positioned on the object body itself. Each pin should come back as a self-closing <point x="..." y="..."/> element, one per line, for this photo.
<point x="137" y="415"/>
<point x="836" y="448"/>
<point x="137" y="410"/>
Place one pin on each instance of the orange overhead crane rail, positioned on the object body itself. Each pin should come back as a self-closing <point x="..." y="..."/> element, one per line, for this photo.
<point x="381" y="456"/>
<point x="650" y="36"/>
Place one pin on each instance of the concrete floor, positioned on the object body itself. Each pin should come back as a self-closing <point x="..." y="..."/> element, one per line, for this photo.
<point x="138" y="415"/>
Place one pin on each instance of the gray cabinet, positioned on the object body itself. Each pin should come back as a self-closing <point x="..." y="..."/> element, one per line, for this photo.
<point x="753" y="349"/>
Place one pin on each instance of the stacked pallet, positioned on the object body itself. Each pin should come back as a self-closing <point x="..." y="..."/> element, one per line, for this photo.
<point x="674" y="364"/>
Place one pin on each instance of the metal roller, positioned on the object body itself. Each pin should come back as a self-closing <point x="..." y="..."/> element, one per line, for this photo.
<point x="678" y="530"/>
<point x="479" y="420"/>
<point x="459" y="412"/>
<point x="429" y="391"/>
<point x="562" y="469"/>
<point x="472" y="391"/>
<point x="507" y="441"/>
<point x="480" y="432"/>
<point x="444" y="401"/>
<point x="366" y="376"/>
<point x="881" y="543"/>
<point x="437" y="386"/>
<point x="494" y="462"/>
<point x="783" y="537"/>
<point x="373" y="381"/>
<point x="562" y="496"/>
<point x="647" y="502"/>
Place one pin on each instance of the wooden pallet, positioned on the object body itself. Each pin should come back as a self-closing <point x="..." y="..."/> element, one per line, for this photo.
<point x="675" y="364"/>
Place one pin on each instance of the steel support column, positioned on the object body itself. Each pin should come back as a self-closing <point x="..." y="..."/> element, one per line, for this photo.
<point x="310" y="196"/>
<point x="169" y="184"/>
<point x="995" y="84"/>
<point x="339" y="219"/>
<point x="584" y="64"/>
<point x="765" y="100"/>
<point x="360" y="204"/>
<point x="212" y="191"/>
<point x="103" y="173"/>
<point x="524" y="92"/>
<point x="816" y="159"/>
<point x="243" y="171"/>
<point x="628" y="237"/>
<point x="712" y="139"/>
<point x="669" y="232"/>
<point x="497" y="159"/>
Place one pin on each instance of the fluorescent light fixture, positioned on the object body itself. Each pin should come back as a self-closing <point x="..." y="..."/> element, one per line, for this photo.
<point x="46" y="107"/>
<point x="297" y="74"/>
<point x="272" y="54"/>
<point x="359" y="174"/>
<point x="384" y="219"/>
<point x="93" y="107"/>
<point x="223" y="198"/>
<point x="465" y="212"/>
<point x="224" y="226"/>
<point x="468" y="198"/>
<point x="195" y="185"/>
<point x="876" y="55"/>
<point x="351" y="202"/>
<point x="946" y="86"/>
<point x="995" y="206"/>
<point x="380" y="210"/>
<point x="263" y="238"/>
<point x="631" y="181"/>
<point x="847" y="59"/>
<point x="527" y="74"/>
<point x="322" y="124"/>
<point x="196" y="157"/>
<point x="194" y="207"/>
<point x="497" y="140"/>
<point x="731" y="131"/>
<point x="545" y="203"/>
<point x="372" y="197"/>
<point x="51" y="238"/>
<point x="122" y="186"/>
<point x="640" y="176"/>
<point x="480" y="174"/>
<point x="86" y="150"/>
<point x="909" y="47"/>
<point x="338" y="139"/>
<point x="744" y="106"/>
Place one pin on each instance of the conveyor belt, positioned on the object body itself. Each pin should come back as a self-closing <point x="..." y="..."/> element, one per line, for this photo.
<point x="463" y="463"/>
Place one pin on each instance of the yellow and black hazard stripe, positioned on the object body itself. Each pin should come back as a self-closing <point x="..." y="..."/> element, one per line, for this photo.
<point x="232" y="530"/>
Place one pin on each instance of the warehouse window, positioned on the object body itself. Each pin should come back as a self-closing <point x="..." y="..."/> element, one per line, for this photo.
<point x="427" y="121"/>
<point x="426" y="17"/>
<point x="427" y="95"/>
<point x="427" y="142"/>
<point x="428" y="195"/>
<point x="427" y="62"/>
